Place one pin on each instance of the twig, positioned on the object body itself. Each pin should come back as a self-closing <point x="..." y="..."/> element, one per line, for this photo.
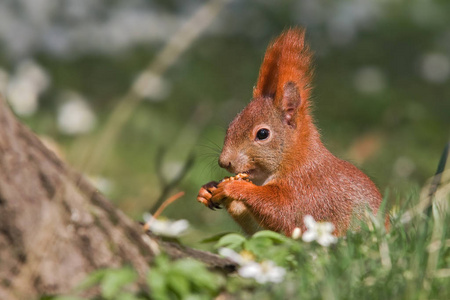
<point x="435" y="182"/>
<point x="162" y="207"/>
<point x="166" y="203"/>
<point x="429" y="191"/>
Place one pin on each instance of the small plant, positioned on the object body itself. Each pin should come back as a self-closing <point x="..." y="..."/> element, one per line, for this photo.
<point x="411" y="261"/>
<point x="113" y="284"/>
<point x="180" y="279"/>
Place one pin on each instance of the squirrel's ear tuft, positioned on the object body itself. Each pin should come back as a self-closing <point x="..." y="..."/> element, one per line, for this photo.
<point x="290" y="103"/>
<point x="286" y="67"/>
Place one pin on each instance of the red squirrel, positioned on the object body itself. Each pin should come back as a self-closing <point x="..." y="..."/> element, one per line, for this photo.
<point x="274" y="143"/>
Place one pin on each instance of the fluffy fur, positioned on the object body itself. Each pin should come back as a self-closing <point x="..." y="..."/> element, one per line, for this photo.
<point x="292" y="173"/>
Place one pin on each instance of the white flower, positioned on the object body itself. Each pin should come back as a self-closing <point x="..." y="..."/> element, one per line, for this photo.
<point x="23" y="89"/>
<point x="166" y="228"/>
<point x="266" y="271"/>
<point x="322" y="232"/>
<point x="263" y="272"/>
<point x="22" y="96"/>
<point x="32" y="72"/>
<point x="75" y="116"/>
<point x="242" y="258"/>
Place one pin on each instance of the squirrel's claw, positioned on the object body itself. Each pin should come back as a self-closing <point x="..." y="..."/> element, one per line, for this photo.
<point x="205" y="194"/>
<point x="213" y="206"/>
<point x="219" y="195"/>
<point x="213" y="194"/>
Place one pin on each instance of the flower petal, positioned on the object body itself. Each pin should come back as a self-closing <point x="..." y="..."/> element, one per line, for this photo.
<point x="147" y="217"/>
<point x="178" y="227"/>
<point x="309" y="236"/>
<point x="251" y="270"/>
<point x="275" y="273"/>
<point x="328" y="227"/>
<point x="309" y="221"/>
<point x="326" y="240"/>
<point x="231" y="254"/>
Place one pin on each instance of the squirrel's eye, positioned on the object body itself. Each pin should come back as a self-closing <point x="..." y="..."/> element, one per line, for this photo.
<point x="262" y="134"/>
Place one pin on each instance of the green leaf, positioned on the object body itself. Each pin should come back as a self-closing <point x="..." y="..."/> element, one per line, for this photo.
<point x="163" y="262"/>
<point x="188" y="266"/>
<point x="215" y="237"/>
<point x="156" y="280"/>
<point x="179" y="284"/>
<point x="258" y="246"/>
<point x="232" y="240"/>
<point x="115" y="280"/>
<point x="198" y="275"/>
<point x="206" y="280"/>
<point x="272" y="235"/>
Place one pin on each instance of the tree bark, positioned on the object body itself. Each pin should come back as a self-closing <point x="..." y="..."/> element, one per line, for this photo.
<point x="55" y="228"/>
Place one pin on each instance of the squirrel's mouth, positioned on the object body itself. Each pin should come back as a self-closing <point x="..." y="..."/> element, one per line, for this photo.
<point x="247" y="174"/>
<point x="254" y="175"/>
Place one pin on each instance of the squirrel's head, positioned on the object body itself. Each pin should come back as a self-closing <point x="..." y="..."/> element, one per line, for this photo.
<point x="261" y="137"/>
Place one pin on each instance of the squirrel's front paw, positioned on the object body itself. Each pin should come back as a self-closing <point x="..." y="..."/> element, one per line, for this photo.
<point x="228" y="190"/>
<point x="205" y="194"/>
<point x="219" y="194"/>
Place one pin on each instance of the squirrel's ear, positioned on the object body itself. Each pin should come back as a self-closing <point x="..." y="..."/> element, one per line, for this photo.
<point x="285" y="73"/>
<point x="290" y="102"/>
<point x="268" y="73"/>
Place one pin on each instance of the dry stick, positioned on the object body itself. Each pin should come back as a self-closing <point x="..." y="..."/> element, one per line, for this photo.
<point x="438" y="215"/>
<point x="162" y="207"/>
<point x="429" y="191"/>
<point x="436" y="181"/>
<point x="175" y="47"/>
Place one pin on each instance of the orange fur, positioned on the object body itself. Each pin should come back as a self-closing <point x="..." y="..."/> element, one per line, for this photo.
<point x="293" y="174"/>
<point x="288" y="58"/>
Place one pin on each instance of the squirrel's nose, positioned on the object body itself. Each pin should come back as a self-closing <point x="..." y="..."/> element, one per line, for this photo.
<point x="223" y="163"/>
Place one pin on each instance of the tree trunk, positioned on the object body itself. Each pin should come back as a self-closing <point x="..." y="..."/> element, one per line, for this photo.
<point x="55" y="228"/>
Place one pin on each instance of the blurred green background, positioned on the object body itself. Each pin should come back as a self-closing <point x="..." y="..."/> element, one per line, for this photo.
<point x="381" y="89"/>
